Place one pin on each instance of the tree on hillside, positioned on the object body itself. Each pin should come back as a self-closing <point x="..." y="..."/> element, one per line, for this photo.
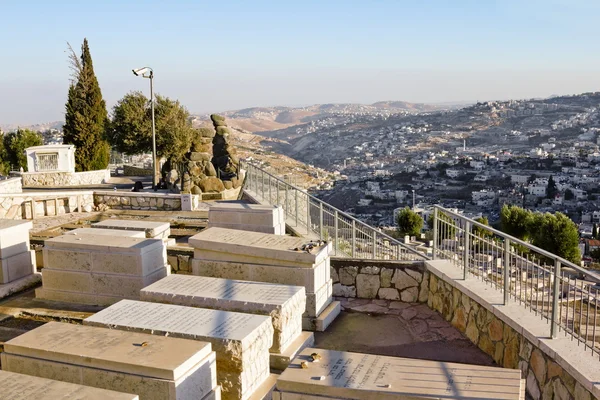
<point x="479" y="231"/>
<point x="409" y="223"/>
<point x="4" y="164"/>
<point x="551" y="189"/>
<point x="15" y="143"/>
<point x="569" y="195"/>
<point x="86" y="116"/>
<point x="515" y="221"/>
<point x="446" y="226"/>
<point x="131" y="130"/>
<point x="557" y="234"/>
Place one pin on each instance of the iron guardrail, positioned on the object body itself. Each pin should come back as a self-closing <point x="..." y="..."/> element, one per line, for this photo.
<point x="554" y="289"/>
<point x="315" y="218"/>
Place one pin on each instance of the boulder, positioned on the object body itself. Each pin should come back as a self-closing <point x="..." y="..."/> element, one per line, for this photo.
<point x="228" y="184"/>
<point x="196" y="190"/>
<point x="211" y="184"/>
<point x="222" y="130"/>
<point x="195" y="156"/>
<point x="210" y="170"/>
<point x="202" y="148"/>
<point x="206" y="132"/>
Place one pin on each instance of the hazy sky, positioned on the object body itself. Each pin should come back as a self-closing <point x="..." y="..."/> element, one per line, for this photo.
<point x="216" y="56"/>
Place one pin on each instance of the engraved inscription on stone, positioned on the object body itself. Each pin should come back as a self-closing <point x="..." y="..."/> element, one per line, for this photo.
<point x="180" y="319"/>
<point x="255" y="292"/>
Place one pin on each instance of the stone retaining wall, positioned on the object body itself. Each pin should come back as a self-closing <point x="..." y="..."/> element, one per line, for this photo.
<point x="179" y="260"/>
<point x="33" y="205"/>
<point x="57" y="179"/>
<point x="510" y="349"/>
<point x="375" y="279"/>
<point x="137" y="201"/>
<point x="11" y="185"/>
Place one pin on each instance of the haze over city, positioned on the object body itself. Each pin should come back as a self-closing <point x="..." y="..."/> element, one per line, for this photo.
<point x="233" y="55"/>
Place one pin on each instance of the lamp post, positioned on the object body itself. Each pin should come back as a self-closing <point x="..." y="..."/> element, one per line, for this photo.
<point x="147" y="72"/>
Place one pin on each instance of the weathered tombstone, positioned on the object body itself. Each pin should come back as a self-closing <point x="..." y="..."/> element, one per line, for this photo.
<point x="96" y="269"/>
<point x="25" y="387"/>
<point x="262" y="257"/>
<point x="342" y="375"/>
<point x="17" y="261"/>
<point x="247" y="217"/>
<point x="152" y="229"/>
<point x="106" y="232"/>
<point x="241" y="341"/>
<point x="283" y="303"/>
<point x="153" y="367"/>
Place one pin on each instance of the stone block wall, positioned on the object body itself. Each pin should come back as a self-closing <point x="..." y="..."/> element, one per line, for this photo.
<point x="137" y="201"/>
<point x="11" y="185"/>
<point x="34" y="205"/>
<point x="180" y="261"/>
<point x="376" y="279"/>
<point x="57" y="179"/>
<point x="510" y="349"/>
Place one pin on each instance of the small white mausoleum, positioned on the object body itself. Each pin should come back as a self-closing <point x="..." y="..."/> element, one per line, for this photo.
<point x="51" y="158"/>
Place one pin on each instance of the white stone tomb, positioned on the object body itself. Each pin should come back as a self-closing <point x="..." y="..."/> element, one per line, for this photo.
<point x="153" y="367"/>
<point x="247" y="217"/>
<point x="25" y="387"/>
<point x="241" y="341"/>
<point x="344" y="375"/>
<point x="260" y="257"/>
<point x="97" y="269"/>
<point x="17" y="262"/>
<point x="152" y="229"/>
<point x="283" y="303"/>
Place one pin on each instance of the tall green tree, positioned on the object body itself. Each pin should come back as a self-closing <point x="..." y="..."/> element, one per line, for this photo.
<point x="595" y="232"/>
<point x="4" y="164"/>
<point x="86" y="117"/>
<point x="551" y="189"/>
<point x="131" y="127"/>
<point x="515" y="221"/>
<point x="409" y="222"/>
<point x="15" y="143"/>
<point x="557" y="234"/>
<point x="479" y="231"/>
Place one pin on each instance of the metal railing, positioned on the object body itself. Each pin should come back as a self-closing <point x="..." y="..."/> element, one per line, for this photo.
<point x="554" y="289"/>
<point x="314" y="218"/>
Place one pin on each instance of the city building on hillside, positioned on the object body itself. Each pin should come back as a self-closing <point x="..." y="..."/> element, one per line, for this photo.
<point x="51" y="158"/>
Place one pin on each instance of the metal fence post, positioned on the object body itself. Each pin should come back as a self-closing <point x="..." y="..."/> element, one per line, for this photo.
<point x="335" y="228"/>
<point x="296" y="205"/>
<point x="555" y="318"/>
<point x="270" y="191"/>
<point x="435" y="233"/>
<point x="321" y="220"/>
<point x="285" y="209"/>
<point x="467" y="249"/>
<point x="353" y="238"/>
<point x="277" y="188"/>
<point x="506" y="270"/>
<point x="262" y="184"/>
<point x="374" y="244"/>
<point x="308" y="224"/>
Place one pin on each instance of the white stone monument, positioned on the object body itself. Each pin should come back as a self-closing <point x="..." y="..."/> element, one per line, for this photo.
<point x="344" y="375"/>
<point x="241" y="341"/>
<point x="17" y="262"/>
<point x="25" y="387"/>
<point x="51" y="158"/>
<point x="106" y="232"/>
<point x="261" y="257"/>
<point x="98" y="269"/>
<point x="247" y="217"/>
<point x="153" y="367"/>
<point x="283" y="303"/>
<point x="152" y="229"/>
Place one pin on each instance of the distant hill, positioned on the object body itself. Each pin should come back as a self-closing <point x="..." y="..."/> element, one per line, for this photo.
<point x="36" y="127"/>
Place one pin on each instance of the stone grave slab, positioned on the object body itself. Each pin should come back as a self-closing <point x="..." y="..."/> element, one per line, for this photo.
<point x="266" y="247"/>
<point x="98" y="269"/>
<point x="153" y="367"/>
<point x="15" y="386"/>
<point x="107" y="232"/>
<point x="152" y="229"/>
<point x="14" y="237"/>
<point x="247" y="217"/>
<point x="17" y="266"/>
<point x="344" y="375"/>
<point x="241" y="341"/>
<point x="283" y="303"/>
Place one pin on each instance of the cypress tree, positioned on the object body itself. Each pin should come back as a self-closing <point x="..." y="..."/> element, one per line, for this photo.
<point x="86" y="117"/>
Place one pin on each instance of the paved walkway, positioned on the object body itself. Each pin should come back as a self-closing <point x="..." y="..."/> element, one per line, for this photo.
<point x="398" y="329"/>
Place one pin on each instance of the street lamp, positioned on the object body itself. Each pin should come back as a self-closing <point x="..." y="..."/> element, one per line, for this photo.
<point x="147" y="72"/>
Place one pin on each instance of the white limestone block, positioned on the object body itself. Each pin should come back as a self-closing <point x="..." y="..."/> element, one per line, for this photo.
<point x="247" y="217"/>
<point x="106" y="232"/>
<point x="285" y="304"/>
<point x="24" y="387"/>
<point x="241" y="341"/>
<point x="152" y="229"/>
<point x="14" y="237"/>
<point x="17" y="266"/>
<point x="152" y="367"/>
<point x="344" y="375"/>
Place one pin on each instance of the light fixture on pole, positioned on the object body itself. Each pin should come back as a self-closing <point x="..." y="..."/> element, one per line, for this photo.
<point x="147" y="72"/>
